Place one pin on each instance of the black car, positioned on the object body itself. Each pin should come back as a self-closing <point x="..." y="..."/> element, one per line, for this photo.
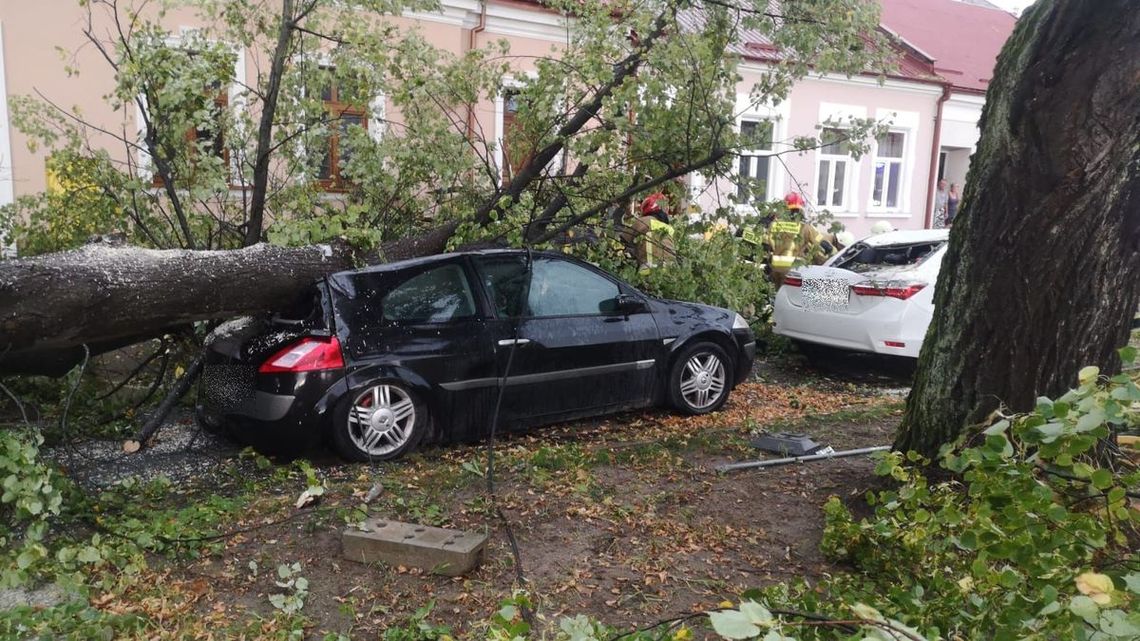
<point x="377" y="359"/>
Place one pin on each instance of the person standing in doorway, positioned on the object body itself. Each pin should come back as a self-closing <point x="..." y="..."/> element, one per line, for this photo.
<point x="941" y="200"/>
<point x="952" y="199"/>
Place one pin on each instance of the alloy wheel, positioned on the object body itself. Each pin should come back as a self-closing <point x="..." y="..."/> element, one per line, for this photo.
<point x="703" y="380"/>
<point x="381" y="419"/>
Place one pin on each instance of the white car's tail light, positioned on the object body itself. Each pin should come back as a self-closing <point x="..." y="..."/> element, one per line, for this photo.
<point x="306" y="355"/>
<point x="892" y="289"/>
<point x="793" y="279"/>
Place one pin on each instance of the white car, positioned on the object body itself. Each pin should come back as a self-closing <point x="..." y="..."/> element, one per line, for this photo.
<point x="875" y="296"/>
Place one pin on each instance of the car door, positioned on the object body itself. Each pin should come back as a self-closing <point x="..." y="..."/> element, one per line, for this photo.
<point x="571" y="346"/>
<point x="423" y="324"/>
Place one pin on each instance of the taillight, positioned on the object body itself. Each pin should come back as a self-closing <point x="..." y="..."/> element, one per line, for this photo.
<point x="793" y="280"/>
<point x="892" y="289"/>
<point x="306" y="355"/>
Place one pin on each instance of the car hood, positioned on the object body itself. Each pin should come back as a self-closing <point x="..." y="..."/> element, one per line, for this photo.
<point x="687" y="316"/>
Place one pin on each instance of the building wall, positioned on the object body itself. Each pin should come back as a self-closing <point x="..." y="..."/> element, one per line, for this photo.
<point x="909" y="107"/>
<point x="33" y="35"/>
<point x="960" y="134"/>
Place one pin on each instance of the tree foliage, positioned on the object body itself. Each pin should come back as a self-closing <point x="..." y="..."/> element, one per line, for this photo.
<point x="639" y="93"/>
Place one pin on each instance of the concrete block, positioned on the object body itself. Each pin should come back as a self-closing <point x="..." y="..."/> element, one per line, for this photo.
<point x="438" y="550"/>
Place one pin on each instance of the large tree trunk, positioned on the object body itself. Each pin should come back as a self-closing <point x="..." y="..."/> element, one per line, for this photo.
<point x="1043" y="269"/>
<point x="104" y="296"/>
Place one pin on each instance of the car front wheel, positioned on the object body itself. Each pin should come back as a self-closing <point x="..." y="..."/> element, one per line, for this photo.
<point x="384" y="421"/>
<point x="698" y="382"/>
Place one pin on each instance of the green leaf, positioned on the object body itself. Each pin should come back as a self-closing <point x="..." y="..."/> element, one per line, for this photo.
<point x="757" y="614"/>
<point x="1088" y="374"/>
<point x="1132" y="582"/>
<point x="26" y="558"/>
<point x="1090" y="421"/>
<point x="1101" y="479"/>
<point x="997" y="428"/>
<point x="1115" y="623"/>
<point x="508" y="612"/>
<point x="1085" y="608"/>
<point x="1127" y="354"/>
<point x="1050" y="431"/>
<point x="733" y="624"/>
<point x="89" y="554"/>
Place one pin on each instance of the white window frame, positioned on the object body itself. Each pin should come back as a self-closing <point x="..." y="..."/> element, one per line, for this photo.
<point x="756" y="154"/>
<point x="510" y="82"/>
<point x="850" y="169"/>
<point x="903" y="175"/>
<point x="908" y="123"/>
<point x="235" y="101"/>
<point x="749" y="108"/>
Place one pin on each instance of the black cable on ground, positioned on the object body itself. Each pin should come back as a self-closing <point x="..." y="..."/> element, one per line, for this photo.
<point x="520" y="575"/>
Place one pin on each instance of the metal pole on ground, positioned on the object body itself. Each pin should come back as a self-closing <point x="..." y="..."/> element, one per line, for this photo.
<point x="746" y="465"/>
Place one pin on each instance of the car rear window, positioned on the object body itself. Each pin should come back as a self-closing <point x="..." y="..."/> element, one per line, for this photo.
<point x="435" y="296"/>
<point x="305" y="311"/>
<point x="862" y="257"/>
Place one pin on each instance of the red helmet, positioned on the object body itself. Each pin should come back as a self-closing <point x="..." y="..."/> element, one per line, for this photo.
<point x="652" y="203"/>
<point x="794" y="200"/>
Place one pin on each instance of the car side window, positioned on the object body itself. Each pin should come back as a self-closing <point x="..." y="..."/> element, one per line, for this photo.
<point x="437" y="295"/>
<point x="505" y="279"/>
<point x="561" y="288"/>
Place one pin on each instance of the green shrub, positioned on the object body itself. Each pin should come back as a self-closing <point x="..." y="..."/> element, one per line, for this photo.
<point x="711" y="268"/>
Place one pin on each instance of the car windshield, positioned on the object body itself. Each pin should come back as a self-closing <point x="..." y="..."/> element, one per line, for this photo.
<point x="862" y="257"/>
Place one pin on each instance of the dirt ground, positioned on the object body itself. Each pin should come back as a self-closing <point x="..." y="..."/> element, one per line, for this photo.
<point x="624" y="519"/>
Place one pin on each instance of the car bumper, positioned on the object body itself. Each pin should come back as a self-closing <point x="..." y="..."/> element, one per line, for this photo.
<point x="746" y="348"/>
<point x="892" y="329"/>
<point x="285" y="415"/>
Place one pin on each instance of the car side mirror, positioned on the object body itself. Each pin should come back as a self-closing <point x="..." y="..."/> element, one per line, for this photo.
<point x="626" y="304"/>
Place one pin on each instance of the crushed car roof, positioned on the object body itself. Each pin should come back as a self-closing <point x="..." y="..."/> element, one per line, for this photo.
<point x="426" y="260"/>
<point x="906" y="236"/>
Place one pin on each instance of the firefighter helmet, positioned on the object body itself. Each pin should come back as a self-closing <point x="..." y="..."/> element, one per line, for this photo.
<point x="794" y="200"/>
<point x="652" y="204"/>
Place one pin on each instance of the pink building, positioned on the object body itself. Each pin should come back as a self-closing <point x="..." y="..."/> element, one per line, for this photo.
<point x="931" y="103"/>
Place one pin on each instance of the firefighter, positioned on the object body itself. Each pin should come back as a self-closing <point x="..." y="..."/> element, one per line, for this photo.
<point x="652" y="232"/>
<point x="794" y="240"/>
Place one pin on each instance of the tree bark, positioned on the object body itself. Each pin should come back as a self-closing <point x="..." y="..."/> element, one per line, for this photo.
<point x="1043" y="270"/>
<point x="106" y="296"/>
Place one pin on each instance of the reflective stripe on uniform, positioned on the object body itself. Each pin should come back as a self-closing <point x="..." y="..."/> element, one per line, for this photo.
<point x="785" y="227"/>
<point x="657" y="225"/>
<point x="783" y="261"/>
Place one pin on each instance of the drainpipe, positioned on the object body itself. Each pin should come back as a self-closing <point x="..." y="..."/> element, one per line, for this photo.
<point x="471" y="37"/>
<point x="935" y="147"/>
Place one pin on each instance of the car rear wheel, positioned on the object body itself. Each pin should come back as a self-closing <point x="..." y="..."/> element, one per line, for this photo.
<point x="698" y="382"/>
<point x="383" y="421"/>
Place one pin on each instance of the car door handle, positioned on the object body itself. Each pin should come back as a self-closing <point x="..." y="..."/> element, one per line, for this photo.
<point x="507" y="342"/>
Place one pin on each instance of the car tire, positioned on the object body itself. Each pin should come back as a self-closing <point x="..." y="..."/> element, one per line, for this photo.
<point x="700" y="379"/>
<point x="381" y="421"/>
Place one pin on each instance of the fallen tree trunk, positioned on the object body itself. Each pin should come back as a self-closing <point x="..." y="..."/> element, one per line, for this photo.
<point x="106" y="296"/>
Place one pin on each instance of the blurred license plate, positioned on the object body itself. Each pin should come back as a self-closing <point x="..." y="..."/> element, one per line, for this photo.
<point x="824" y="294"/>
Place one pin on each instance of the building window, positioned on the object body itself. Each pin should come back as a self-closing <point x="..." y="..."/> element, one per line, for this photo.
<point x="834" y="170"/>
<point x="888" y="170"/>
<point x="754" y="169"/>
<point x="517" y="149"/>
<point x="342" y="114"/>
<point x="207" y="140"/>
